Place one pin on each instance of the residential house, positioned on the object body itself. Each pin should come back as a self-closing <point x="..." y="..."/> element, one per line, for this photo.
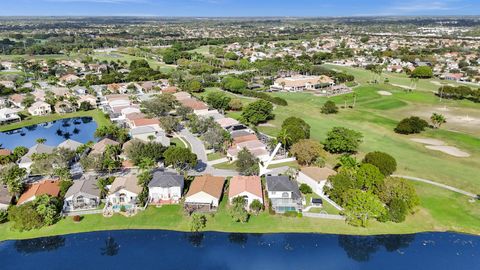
<point x="17" y="100"/>
<point x="256" y="147"/>
<point x="101" y="146"/>
<point x="301" y="83"/>
<point x="26" y="161"/>
<point x="69" y="78"/>
<point x="198" y="107"/>
<point x="45" y="187"/>
<point x="204" y="194"/>
<point x="284" y="194"/>
<point x="145" y="133"/>
<point x="248" y="187"/>
<point x="315" y="177"/>
<point x="123" y="192"/>
<point x="40" y="108"/>
<point x="70" y="145"/>
<point x="227" y="122"/>
<point x="84" y="194"/>
<point x="64" y="107"/>
<point x="165" y="188"/>
<point x="89" y="99"/>
<point x="5" y="197"/>
<point x="8" y="115"/>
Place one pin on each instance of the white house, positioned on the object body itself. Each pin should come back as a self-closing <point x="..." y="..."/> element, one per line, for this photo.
<point x="5" y="197"/>
<point x="205" y="193"/>
<point x="144" y="133"/>
<point x="124" y="192"/>
<point x="40" y="108"/>
<point x="8" y="115"/>
<point x="315" y="177"/>
<point x="82" y="195"/>
<point x="165" y="188"/>
<point x="26" y="161"/>
<point x="248" y="187"/>
<point x="301" y="83"/>
<point x="284" y="194"/>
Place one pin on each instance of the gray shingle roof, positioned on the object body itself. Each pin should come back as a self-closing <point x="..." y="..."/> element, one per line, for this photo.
<point x="85" y="186"/>
<point x="166" y="179"/>
<point x="282" y="183"/>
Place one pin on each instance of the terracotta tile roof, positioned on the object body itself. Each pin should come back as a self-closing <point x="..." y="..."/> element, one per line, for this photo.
<point x="5" y="152"/>
<point x="209" y="184"/>
<point x="49" y="187"/>
<point x="17" y="98"/>
<point x="318" y="174"/>
<point x="170" y="90"/>
<point x="245" y="138"/>
<point x="194" y="104"/>
<point x="239" y="184"/>
<point x="145" y="122"/>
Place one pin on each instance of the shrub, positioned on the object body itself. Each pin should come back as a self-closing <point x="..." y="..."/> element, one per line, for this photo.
<point x="383" y="161"/>
<point x="123" y="209"/>
<point x="411" y="125"/>
<point x="305" y="189"/>
<point x="342" y="140"/>
<point x="291" y="214"/>
<point x="329" y="108"/>
<point x="77" y="218"/>
<point x="422" y="72"/>
<point x="397" y="210"/>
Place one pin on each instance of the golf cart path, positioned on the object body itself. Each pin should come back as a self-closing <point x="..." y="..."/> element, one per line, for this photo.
<point x="454" y="189"/>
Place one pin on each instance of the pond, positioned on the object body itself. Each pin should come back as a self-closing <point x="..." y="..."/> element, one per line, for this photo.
<point x="80" y="129"/>
<point x="151" y="249"/>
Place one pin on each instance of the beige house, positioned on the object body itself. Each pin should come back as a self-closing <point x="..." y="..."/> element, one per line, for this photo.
<point x="302" y="83"/>
<point x="40" y="108"/>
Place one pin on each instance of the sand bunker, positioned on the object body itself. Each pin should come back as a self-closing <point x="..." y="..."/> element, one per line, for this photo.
<point x="384" y="93"/>
<point x="450" y="150"/>
<point x="438" y="145"/>
<point x="429" y="141"/>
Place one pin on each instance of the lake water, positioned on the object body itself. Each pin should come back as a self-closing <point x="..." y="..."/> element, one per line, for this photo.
<point x="175" y="250"/>
<point x="79" y="129"/>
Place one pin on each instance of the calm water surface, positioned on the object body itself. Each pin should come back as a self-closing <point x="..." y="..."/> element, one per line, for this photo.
<point x="79" y="129"/>
<point x="176" y="250"/>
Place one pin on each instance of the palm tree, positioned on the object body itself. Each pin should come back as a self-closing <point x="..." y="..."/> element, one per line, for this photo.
<point x="41" y="140"/>
<point x="437" y="120"/>
<point x="284" y="137"/>
<point x="146" y="164"/>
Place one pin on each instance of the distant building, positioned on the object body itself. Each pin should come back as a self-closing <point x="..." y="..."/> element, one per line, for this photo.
<point x="302" y="83"/>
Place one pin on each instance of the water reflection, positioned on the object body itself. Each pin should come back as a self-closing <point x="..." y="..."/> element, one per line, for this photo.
<point x="238" y="238"/>
<point x="111" y="247"/>
<point x="360" y="248"/>
<point x="195" y="239"/>
<point x="78" y="129"/>
<point x="40" y="244"/>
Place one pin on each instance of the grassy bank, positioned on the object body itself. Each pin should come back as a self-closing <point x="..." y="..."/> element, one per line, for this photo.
<point x="97" y="115"/>
<point x="440" y="211"/>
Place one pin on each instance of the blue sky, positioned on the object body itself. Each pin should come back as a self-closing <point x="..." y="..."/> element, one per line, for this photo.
<point x="225" y="8"/>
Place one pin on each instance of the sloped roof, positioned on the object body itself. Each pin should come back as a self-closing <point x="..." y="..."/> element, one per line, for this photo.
<point x="129" y="183"/>
<point x="86" y="186"/>
<point x="49" y="187"/>
<point x="100" y="147"/>
<point x="239" y="184"/>
<point x="282" y="183"/>
<point x="166" y="179"/>
<point x="209" y="184"/>
<point x="70" y="145"/>
<point x="318" y="174"/>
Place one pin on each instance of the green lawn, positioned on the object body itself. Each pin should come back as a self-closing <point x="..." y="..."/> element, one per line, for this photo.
<point x="180" y="143"/>
<point x="226" y="166"/>
<point x="97" y="115"/>
<point x="375" y="116"/>
<point x="119" y="56"/>
<point x="215" y="156"/>
<point x="440" y="211"/>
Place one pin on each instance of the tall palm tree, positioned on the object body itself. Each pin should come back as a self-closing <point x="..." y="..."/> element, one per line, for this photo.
<point x="41" y="140"/>
<point x="284" y="138"/>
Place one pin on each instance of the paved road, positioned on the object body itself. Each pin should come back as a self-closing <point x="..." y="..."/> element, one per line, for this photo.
<point x="454" y="189"/>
